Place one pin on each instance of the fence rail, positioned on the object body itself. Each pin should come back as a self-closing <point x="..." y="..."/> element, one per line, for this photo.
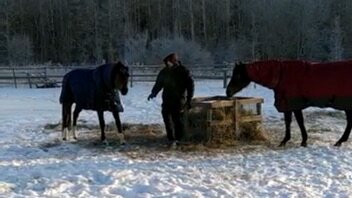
<point x="37" y="76"/>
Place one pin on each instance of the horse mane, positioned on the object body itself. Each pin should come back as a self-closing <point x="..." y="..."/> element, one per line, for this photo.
<point x="118" y="67"/>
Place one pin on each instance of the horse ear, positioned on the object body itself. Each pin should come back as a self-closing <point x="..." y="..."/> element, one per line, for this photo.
<point x="240" y="66"/>
<point x="236" y="65"/>
<point x="122" y="63"/>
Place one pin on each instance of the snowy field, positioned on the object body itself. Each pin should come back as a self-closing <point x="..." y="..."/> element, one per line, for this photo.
<point x="28" y="169"/>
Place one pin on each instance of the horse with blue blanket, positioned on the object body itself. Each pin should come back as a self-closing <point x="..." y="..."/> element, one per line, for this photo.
<point x="93" y="89"/>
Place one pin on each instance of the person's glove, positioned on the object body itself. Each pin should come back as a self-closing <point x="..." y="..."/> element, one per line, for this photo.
<point x="151" y="96"/>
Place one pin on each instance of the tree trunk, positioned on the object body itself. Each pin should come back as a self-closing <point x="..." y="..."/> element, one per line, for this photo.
<point x="7" y="32"/>
<point x="336" y="40"/>
<point x="228" y="18"/>
<point x="191" y="19"/>
<point x="204" y="19"/>
<point x="254" y="37"/>
<point x="52" y="33"/>
<point x="176" y="17"/>
<point x="97" y="44"/>
<point x="42" y="33"/>
<point x="110" y="39"/>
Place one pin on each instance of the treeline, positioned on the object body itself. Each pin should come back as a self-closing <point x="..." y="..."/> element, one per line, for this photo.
<point x="202" y="31"/>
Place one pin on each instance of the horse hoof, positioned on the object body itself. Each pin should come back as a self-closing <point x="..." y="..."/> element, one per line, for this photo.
<point x="105" y="142"/>
<point x="304" y="144"/>
<point x="122" y="142"/>
<point x="64" y="139"/>
<point x="337" y="144"/>
<point x="282" y="144"/>
<point x="122" y="138"/>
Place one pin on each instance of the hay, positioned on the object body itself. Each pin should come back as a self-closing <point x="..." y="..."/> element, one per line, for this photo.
<point x="246" y="112"/>
<point x="52" y="126"/>
<point x="199" y="130"/>
<point x="223" y="133"/>
<point x="252" y="131"/>
<point x="84" y="125"/>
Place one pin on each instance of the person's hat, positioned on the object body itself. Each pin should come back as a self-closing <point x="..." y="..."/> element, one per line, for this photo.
<point x="171" y="58"/>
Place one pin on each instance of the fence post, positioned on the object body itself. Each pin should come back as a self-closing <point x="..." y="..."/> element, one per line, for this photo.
<point x="131" y="78"/>
<point x="29" y="80"/>
<point x="225" y="78"/>
<point x="45" y="73"/>
<point x="14" y="76"/>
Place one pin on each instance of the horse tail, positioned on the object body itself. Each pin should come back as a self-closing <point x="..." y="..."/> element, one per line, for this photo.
<point x="66" y="119"/>
<point x="66" y="101"/>
<point x="65" y="90"/>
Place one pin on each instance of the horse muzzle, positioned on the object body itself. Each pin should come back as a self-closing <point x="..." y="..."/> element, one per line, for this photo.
<point x="229" y="93"/>
<point x="124" y="91"/>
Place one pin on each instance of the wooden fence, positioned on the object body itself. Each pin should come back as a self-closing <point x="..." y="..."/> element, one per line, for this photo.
<point x="37" y="76"/>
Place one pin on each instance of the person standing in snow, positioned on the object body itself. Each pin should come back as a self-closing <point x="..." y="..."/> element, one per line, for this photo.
<point x="178" y="89"/>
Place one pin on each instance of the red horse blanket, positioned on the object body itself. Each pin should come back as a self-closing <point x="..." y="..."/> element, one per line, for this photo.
<point x="299" y="84"/>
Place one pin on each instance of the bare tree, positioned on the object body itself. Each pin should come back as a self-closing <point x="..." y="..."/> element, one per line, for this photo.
<point x="191" y="18"/>
<point x="336" y="40"/>
<point x="204" y="20"/>
<point x="4" y="31"/>
<point x="75" y="31"/>
<point x="20" y="50"/>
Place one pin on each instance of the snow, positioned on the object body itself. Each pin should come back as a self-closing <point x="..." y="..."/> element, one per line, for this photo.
<point x="28" y="168"/>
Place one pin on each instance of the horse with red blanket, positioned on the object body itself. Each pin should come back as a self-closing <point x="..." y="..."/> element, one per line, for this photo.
<point x="298" y="85"/>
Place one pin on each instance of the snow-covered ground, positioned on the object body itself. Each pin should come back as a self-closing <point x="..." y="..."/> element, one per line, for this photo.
<point x="29" y="169"/>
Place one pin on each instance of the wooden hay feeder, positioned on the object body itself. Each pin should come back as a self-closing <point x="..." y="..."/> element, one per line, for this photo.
<point x="218" y="120"/>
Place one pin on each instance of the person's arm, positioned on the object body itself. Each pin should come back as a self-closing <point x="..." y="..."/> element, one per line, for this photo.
<point x="158" y="86"/>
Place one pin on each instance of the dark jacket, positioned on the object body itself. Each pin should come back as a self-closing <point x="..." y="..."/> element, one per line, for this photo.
<point x="177" y="85"/>
<point x="90" y="89"/>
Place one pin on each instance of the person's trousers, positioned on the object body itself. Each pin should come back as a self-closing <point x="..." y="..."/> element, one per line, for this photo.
<point x="174" y="122"/>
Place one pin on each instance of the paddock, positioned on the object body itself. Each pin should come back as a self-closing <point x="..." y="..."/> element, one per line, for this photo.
<point x="35" y="162"/>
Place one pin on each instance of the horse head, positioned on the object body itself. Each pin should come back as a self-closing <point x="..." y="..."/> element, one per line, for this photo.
<point x="239" y="79"/>
<point x="121" y="75"/>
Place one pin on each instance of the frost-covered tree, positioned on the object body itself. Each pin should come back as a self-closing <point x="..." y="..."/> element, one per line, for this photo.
<point x="336" y="40"/>
<point x="20" y="50"/>
<point x="75" y="31"/>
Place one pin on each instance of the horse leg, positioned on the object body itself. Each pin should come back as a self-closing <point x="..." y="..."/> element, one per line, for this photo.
<point x="75" y="117"/>
<point x="69" y="116"/>
<point x="66" y="119"/>
<point x="102" y="125"/>
<point x="300" y="121"/>
<point x="116" y="115"/>
<point x="347" y="132"/>
<point x="288" y="120"/>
